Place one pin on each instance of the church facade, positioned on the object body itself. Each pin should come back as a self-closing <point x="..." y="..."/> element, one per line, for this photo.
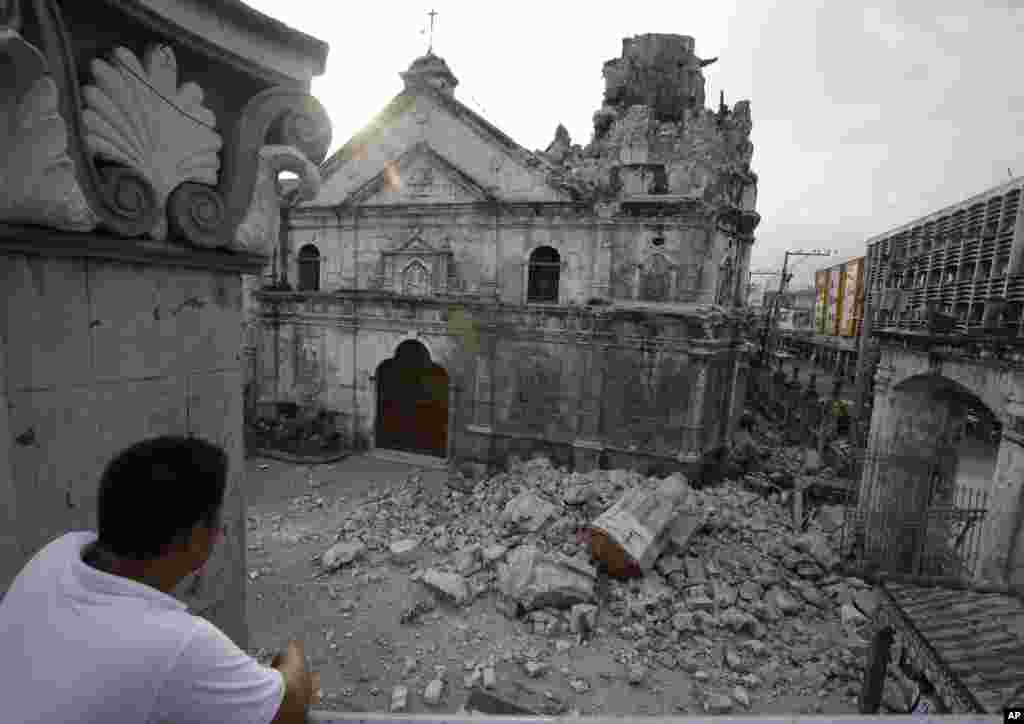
<point x="451" y="293"/>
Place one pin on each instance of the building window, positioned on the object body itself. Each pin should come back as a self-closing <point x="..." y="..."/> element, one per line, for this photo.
<point x="309" y="268"/>
<point x="416" y="280"/>
<point x="542" y="283"/>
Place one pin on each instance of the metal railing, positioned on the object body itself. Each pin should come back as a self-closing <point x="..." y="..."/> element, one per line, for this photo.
<point x="942" y="540"/>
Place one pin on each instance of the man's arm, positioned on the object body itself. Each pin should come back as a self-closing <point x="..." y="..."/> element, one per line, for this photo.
<point x="298" y="685"/>
<point x="212" y="681"/>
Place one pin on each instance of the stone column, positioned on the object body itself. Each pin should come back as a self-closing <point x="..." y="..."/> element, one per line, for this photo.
<point x="600" y="286"/>
<point x="878" y="440"/>
<point x="738" y="393"/>
<point x="695" y="418"/>
<point x="483" y="395"/>
<point x="587" y="446"/>
<point x="1002" y="548"/>
<point x="489" y="283"/>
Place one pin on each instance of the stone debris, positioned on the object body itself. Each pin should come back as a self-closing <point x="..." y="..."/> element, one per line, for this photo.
<point x="432" y="694"/>
<point x="399" y="699"/>
<point x="851" y="615"/>
<point x="538" y="580"/>
<point x="449" y="585"/>
<point x="527" y="512"/>
<point x="583" y="618"/>
<point x="718" y="704"/>
<point x="341" y="554"/>
<point x="404" y="551"/>
<point x="469" y="560"/>
<point x="741" y="697"/>
<point x="416" y="611"/>
<point x="735" y="597"/>
<point x="489" y="677"/>
<point x="535" y="669"/>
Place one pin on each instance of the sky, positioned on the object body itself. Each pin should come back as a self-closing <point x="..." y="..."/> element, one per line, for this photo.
<point x="865" y="117"/>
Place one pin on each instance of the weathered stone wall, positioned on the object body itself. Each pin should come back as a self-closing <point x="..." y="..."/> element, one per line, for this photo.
<point x="621" y="258"/>
<point x="97" y="355"/>
<point x="624" y="381"/>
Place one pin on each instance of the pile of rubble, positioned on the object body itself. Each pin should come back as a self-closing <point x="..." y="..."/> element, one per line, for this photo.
<point x="718" y="582"/>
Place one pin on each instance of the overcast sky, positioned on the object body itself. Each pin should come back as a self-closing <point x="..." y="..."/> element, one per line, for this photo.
<point x="864" y="117"/>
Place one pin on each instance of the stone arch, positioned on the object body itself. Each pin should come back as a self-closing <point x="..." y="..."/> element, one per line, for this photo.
<point x="899" y="366"/>
<point x="543" y="274"/>
<point x="309" y="268"/>
<point x="412" y="411"/>
<point x="935" y="448"/>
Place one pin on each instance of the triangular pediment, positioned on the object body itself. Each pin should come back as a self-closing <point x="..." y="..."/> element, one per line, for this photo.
<point x="416" y="244"/>
<point x="419" y="176"/>
<point x="469" y="159"/>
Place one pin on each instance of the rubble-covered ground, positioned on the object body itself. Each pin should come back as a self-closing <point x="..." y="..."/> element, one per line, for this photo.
<point x="407" y="593"/>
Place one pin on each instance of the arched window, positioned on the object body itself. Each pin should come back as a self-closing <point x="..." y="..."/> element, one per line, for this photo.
<point x="542" y="282"/>
<point x="416" y="280"/>
<point x="309" y="268"/>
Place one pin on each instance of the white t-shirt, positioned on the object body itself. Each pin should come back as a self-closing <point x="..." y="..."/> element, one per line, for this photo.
<point x="83" y="646"/>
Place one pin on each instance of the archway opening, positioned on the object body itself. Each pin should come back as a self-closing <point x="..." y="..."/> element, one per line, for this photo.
<point x="542" y="280"/>
<point x="930" y="478"/>
<point x="309" y="268"/>
<point x="412" y="402"/>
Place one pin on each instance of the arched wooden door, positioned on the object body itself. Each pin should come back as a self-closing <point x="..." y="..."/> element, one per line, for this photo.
<point x="412" y="402"/>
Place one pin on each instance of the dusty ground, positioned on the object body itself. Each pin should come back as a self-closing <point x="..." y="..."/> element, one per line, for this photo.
<point x="349" y="620"/>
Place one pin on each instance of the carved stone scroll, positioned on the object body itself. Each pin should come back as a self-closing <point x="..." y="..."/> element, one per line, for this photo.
<point x="37" y="177"/>
<point x="137" y="115"/>
<point x="142" y="147"/>
<point x="258" y="230"/>
<point x="275" y="117"/>
<point x="121" y="197"/>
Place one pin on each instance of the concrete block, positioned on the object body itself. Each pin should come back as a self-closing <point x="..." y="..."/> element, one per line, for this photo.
<point x="45" y="321"/>
<point x="64" y="438"/>
<point x="152" y="321"/>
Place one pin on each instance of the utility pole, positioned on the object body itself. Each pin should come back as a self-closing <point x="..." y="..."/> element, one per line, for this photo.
<point x="773" y="317"/>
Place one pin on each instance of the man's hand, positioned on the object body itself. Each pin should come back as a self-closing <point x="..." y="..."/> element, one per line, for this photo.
<point x="301" y="688"/>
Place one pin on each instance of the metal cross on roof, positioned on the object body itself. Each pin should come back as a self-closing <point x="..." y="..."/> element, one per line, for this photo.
<point x="430" y="46"/>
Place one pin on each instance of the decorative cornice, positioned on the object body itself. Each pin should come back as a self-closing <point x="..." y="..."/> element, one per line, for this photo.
<point x="36" y="241"/>
<point x="37" y="177"/>
<point x="144" y="152"/>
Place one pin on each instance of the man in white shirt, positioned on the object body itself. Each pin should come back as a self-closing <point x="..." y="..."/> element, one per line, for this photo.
<point x="92" y="633"/>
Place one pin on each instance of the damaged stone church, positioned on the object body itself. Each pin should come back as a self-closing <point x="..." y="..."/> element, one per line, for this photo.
<point x="450" y="293"/>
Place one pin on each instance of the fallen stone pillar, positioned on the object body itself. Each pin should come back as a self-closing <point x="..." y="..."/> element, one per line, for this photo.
<point x="629" y="536"/>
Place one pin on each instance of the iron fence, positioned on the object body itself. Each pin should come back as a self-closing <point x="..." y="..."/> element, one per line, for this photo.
<point x="888" y="533"/>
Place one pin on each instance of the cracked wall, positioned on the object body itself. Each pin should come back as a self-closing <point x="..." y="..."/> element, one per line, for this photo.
<point x="96" y="356"/>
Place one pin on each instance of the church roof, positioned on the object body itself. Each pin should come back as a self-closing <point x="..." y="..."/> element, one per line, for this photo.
<point x="429" y="61"/>
<point x="401" y="102"/>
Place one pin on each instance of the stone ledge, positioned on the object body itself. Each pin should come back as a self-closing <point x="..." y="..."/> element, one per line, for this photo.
<point x="38" y="241"/>
<point x="298" y="459"/>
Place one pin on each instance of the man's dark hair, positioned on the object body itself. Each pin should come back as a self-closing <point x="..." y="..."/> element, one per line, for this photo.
<point x="155" y="492"/>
